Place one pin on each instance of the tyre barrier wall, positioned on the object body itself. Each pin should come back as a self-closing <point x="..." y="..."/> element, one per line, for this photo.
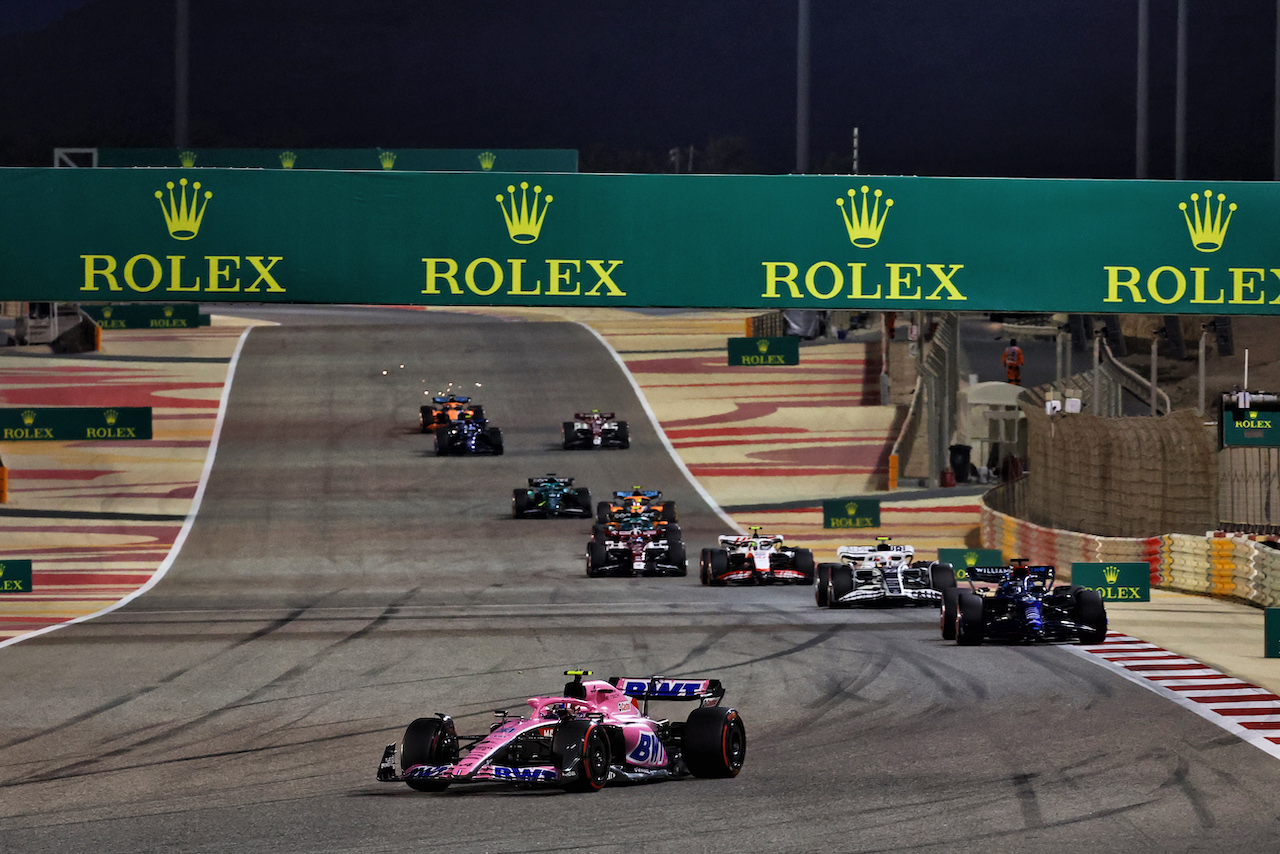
<point x="1242" y="567"/>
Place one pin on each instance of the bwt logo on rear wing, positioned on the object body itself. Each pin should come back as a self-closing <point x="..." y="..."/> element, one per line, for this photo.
<point x="669" y="689"/>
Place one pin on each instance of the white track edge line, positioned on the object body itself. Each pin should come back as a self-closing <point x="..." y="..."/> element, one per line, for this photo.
<point x="662" y="434"/>
<point x="186" y="525"/>
<point x="1257" y="738"/>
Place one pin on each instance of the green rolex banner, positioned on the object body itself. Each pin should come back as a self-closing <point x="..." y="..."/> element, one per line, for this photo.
<point x="851" y="513"/>
<point x="1115" y="582"/>
<point x="759" y="352"/>
<point x="1271" y="633"/>
<point x="15" y="576"/>
<point x="74" y="423"/>
<point x="147" y="316"/>
<point x="1256" y="424"/>
<point x="390" y="237"/>
<point x="962" y="559"/>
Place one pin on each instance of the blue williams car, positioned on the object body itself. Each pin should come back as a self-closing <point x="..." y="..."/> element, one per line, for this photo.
<point x="1018" y="604"/>
<point x="469" y="436"/>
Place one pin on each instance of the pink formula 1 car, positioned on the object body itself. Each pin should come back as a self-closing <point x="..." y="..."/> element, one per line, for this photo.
<point x="595" y="732"/>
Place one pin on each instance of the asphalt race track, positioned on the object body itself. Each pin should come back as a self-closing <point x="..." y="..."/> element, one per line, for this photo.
<point x="341" y="580"/>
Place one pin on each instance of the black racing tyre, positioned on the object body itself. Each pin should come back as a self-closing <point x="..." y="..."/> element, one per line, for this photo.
<point x="969" y="623"/>
<point x="672" y="530"/>
<point x="477" y="413"/>
<point x="804" y="564"/>
<point x="426" y="419"/>
<point x="950" y="607"/>
<point x="942" y="576"/>
<point x="822" y="592"/>
<point x="1091" y="615"/>
<point x="581" y="497"/>
<point x="495" y="440"/>
<point x="623" y="436"/>
<point x="841" y="585"/>
<point x="599" y="533"/>
<point x="715" y="742"/>
<point x="717" y="566"/>
<point x="704" y="565"/>
<point x="428" y="741"/>
<point x="519" y="502"/>
<point x="676" y="556"/>
<point x="570" y="436"/>
<point x="582" y="746"/>
<point x="442" y="441"/>
<point x="669" y="512"/>
<point x="597" y="558"/>
<point x="602" y="511"/>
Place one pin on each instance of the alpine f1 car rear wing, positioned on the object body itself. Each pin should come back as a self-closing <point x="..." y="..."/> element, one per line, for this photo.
<point x="708" y="691"/>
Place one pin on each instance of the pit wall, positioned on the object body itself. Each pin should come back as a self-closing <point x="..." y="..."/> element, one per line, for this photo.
<point x="1233" y="566"/>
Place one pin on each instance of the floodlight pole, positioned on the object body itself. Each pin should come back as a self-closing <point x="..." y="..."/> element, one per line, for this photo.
<point x="1275" y="175"/>
<point x="802" y="88"/>
<point x="181" y="68"/>
<point x="1180" y="118"/>
<point x="1144" y="95"/>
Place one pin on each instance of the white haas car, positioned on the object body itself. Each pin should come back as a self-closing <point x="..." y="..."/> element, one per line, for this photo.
<point x="755" y="559"/>
<point x="880" y="574"/>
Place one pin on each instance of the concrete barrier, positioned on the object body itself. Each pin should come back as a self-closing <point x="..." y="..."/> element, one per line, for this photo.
<point x="1244" y="567"/>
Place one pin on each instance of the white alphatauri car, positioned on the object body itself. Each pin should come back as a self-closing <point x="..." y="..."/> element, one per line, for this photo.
<point x="880" y="574"/>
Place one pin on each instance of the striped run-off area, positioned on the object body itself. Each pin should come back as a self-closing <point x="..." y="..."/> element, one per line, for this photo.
<point x="1247" y="710"/>
<point x="98" y="519"/>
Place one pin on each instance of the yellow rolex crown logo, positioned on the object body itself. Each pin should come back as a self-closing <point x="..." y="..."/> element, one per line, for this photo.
<point x="183" y="217"/>
<point x="112" y="415"/>
<point x="487" y="159"/>
<point x="1252" y="415"/>
<point x="1111" y="574"/>
<point x="864" y="226"/>
<point x="287" y="159"/>
<point x="187" y="159"/>
<point x="387" y="159"/>
<point x="762" y="344"/>
<point x="1208" y="229"/>
<point x="168" y="311"/>
<point x="28" y="417"/>
<point x="524" y="220"/>
<point x="971" y="559"/>
<point x="106" y="311"/>
<point x="1" y="570"/>
<point x="851" y="507"/>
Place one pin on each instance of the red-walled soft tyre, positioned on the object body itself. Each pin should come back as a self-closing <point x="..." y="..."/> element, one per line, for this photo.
<point x="715" y="742"/>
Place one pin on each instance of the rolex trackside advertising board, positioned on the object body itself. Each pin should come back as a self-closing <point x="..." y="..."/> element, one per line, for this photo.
<point x="74" y="423"/>
<point x="15" y="576"/>
<point x="763" y="352"/>
<point x="1129" y="582"/>
<point x="776" y="242"/>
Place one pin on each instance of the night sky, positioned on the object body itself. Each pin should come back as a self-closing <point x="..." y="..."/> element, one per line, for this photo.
<point x="936" y="87"/>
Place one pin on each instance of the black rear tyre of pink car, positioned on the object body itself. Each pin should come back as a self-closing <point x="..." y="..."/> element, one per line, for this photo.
<point x="715" y="742"/>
